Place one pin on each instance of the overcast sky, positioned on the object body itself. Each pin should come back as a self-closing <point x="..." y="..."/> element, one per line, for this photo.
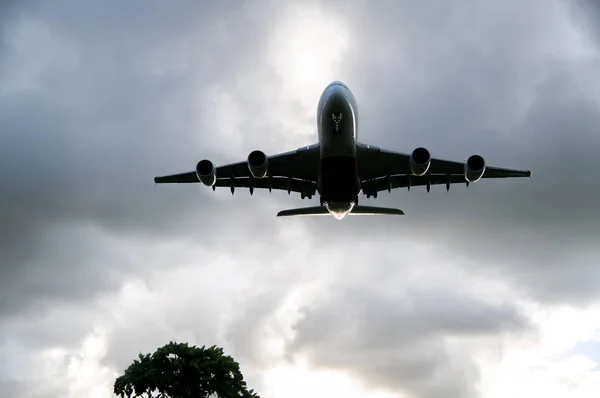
<point x="486" y="291"/>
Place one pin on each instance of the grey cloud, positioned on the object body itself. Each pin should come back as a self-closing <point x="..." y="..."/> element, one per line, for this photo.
<point x="396" y="340"/>
<point x="121" y="131"/>
<point x="246" y="329"/>
<point x="586" y="13"/>
<point x="214" y="294"/>
<point x="51" y="276"/>
<point x="390" y="321"/>
<point x="83" y="146"/>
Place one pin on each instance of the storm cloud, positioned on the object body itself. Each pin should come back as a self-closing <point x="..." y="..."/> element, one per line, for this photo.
<point x="96" y="99"/>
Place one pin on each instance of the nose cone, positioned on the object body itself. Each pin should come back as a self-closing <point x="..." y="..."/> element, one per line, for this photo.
<point x="337" y="93"/>
<point x="339" y="210"/>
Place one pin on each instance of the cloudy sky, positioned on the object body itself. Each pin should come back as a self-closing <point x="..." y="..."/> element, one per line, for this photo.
<point x="487" y="291"/>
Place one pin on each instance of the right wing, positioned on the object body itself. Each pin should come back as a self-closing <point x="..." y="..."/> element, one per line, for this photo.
<point x="381" y="169"/>
<point x="292" y="171"/>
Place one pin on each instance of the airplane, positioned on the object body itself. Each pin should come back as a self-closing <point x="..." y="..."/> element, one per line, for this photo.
<point x="339" y="167"/>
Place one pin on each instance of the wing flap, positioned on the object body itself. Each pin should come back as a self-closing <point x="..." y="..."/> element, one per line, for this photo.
<point x="277" y="183"/>
<point x="403" y="181"/>
<point x="182" y="178"/>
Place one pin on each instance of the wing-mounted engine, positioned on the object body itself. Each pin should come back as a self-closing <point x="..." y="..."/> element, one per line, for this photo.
<point x="420" y="159"/>
<point x="474" y="168"/>
<point x="206" y="172"/>
<point x="258" y="164"/>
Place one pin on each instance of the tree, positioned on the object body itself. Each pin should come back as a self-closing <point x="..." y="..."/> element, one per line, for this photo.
<point x="177" y="370"/>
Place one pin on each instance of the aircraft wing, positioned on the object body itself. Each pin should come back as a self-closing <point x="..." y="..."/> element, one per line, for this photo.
<point x="381" y="169"/>
<point x="296" y="171"/>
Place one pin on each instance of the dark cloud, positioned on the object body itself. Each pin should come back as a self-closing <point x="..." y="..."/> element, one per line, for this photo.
<point x="95" y="101"/>
<point x="102" y="130"/>
<point x="586" y="16"/>
<point x="82" y="147"/>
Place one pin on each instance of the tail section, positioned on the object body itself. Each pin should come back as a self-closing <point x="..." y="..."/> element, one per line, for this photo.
<point x="357" y="211"/>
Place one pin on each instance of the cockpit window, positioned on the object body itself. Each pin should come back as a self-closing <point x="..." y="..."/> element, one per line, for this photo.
<point x="338" y="83"/>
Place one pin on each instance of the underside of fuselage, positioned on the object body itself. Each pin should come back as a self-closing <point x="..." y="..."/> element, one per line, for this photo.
<point x="339" y="184"/>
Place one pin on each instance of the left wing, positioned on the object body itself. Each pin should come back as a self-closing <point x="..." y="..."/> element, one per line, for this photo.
<point x="381" y="170"/>
<point x="295" y="171"/>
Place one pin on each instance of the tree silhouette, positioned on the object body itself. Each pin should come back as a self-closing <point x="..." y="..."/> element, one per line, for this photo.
<point x="177" y="370"/>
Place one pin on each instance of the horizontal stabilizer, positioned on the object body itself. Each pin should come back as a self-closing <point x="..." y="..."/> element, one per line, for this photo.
<point x="305" y="211"/>
<point x="357" y="210"/>
<point x="372" y="211"/>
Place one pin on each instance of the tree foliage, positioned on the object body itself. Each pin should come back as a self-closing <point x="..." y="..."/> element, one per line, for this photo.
<point x="177" y="370"/>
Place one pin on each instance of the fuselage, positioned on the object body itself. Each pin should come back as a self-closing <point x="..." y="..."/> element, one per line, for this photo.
<point x="337" y="121"/>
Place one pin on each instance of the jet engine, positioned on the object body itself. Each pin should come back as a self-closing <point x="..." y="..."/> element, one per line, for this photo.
<point x="258" y="164"/>
<point x="420" y="159"/>
<point x="206" y="172"/>
<point x="474" y="168"/>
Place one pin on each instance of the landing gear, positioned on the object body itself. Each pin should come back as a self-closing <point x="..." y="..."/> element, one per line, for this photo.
<point x="306" y="195"/>
<point x="373" y="195"/>
<point x="354" y="200"/>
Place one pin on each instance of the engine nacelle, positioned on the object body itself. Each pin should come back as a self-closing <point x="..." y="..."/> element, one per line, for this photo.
<point x="474" y="168"/>
<point x="206" y="172"/>
<point x="258" y="164"/>
<point x="420" y="159"/>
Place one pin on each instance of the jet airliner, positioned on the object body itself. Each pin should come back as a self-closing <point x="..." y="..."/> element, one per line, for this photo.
<point x="339" y="167"/>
